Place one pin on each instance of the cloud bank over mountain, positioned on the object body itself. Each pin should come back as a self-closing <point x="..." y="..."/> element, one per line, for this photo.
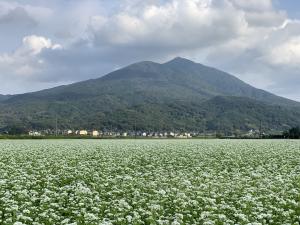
<point x="51" y="43"/>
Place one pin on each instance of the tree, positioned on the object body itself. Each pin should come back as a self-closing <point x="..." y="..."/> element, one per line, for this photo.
<point x="16" y="130"/>
<point x="293" y="133"/>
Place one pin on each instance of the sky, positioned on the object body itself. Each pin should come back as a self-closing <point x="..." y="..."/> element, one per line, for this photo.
<point x="49" y="43"/>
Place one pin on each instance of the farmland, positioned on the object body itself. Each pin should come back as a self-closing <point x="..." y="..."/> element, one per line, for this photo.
<point x="149" y="182"/>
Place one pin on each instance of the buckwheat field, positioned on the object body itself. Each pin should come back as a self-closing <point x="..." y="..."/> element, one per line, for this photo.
<point x="149" y="182"/>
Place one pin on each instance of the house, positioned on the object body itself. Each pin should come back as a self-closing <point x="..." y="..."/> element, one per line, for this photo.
<point x="172" y="134"/>
<point x="108" y="133"/>
<point x="181" y="136"/>
<point x="34" y="133"/>
<point x="252" y="133"/>
<point x="144" y="134"/>
<point x="83" y="132"/>
<point x="124" y="134"/>
<point x="95" y="133"/>
<point x="188" y="135"/>
<point x="150" y="134"/>
<point x="69" y="132"/>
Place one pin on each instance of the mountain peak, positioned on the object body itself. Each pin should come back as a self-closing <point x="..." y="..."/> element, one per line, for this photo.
<point x="143" y="65"/>
<point x="180" y="60"/>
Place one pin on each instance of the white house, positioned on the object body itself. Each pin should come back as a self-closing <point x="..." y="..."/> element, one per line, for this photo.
<point x="95" y="133"/>
<point x="181" y="136"/>
<point x="83" y="132"/>
<point x="69" y="132"/>
<point x="172" y="134"/>
<point x="34" y="133"/>
<point x="188" y="135"/>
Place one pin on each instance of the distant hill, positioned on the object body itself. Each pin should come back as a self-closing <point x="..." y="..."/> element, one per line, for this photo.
<point x="177" y="95"/>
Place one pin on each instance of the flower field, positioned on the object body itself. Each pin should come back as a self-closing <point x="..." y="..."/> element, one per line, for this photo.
<point x="149" y="182"/>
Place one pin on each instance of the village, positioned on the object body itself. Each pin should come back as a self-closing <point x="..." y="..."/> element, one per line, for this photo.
<point x="136" y="134"/>
<point x="116" y="134"/>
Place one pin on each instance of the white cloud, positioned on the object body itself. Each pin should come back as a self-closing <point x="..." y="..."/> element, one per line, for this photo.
<point x="256" y="5"/>
<point x="178" y="24"/>
<point x="265" y="19"/>
<point x="287" y="53"/>
<point x="26" y="61"/>
<point x="33" y="45"/>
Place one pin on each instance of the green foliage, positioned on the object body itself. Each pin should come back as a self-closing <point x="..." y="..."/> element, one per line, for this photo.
<point x="293" y="133"/>
<point x="16" y="130"/>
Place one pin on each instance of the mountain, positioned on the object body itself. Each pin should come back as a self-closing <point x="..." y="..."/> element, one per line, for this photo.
<point x="177" y="95"/>
<point x="4" y="97"/>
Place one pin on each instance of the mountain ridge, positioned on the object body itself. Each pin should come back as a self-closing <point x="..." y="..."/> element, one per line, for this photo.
<point x="180" y="92"/>
<point x="176" y="61"/>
